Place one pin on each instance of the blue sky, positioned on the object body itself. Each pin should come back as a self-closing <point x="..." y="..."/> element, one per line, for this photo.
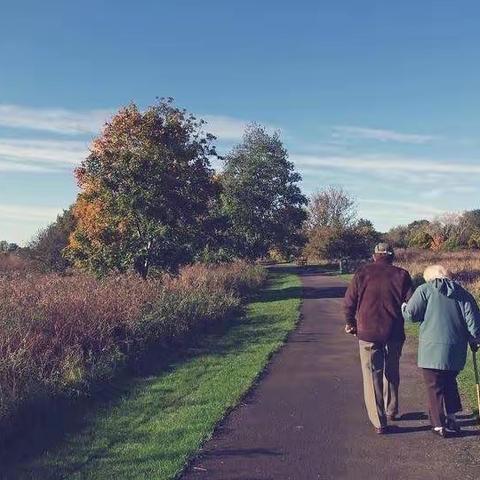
<point x="380" y="97"/>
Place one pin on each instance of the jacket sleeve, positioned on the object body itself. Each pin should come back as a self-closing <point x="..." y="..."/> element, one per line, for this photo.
<point x="414" y="310"/>
<point x="472" y="317"/>
<point x="351" y="302"/>
<point x="407" y="287"/>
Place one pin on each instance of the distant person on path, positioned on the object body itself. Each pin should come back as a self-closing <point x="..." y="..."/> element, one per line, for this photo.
<point x="373" y="311"/>
<point x="450" y="319"/>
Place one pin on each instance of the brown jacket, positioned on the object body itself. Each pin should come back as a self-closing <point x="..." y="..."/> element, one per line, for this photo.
<point x="373" y="302"/>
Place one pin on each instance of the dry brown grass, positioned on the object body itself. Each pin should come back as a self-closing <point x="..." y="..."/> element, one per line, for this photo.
<point x="464" y="264"/>
<point x="59" y="335"/>
<point x="12" y="263"/>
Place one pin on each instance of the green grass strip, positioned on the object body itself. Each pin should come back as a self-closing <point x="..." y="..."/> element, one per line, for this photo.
<point x="156" y="428"/>
<point x="345" y="276"/>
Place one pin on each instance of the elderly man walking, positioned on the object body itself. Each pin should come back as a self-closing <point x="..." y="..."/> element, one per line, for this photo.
<point x="373" y="311"/>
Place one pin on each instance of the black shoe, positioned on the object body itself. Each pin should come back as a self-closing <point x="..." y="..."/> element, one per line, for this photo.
<point x="440" y="432"/>
<point x="452" y="425"/>
<point x="394" y="417"/>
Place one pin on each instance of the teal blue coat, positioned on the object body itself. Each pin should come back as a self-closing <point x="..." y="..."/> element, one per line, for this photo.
<point x="449" y="318"/>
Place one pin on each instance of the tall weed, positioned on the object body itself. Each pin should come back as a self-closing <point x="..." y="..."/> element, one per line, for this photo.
<point x="60" y="335"/>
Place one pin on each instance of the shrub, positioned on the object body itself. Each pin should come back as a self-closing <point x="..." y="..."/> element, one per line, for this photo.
<point x="421" y="239"/>
<point x="11" y="263"/>
<point x="464" y="264"/>
<point x="59" y="336"/>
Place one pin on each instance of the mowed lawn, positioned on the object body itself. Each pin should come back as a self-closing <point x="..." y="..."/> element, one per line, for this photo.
<point x="158" y="425"/>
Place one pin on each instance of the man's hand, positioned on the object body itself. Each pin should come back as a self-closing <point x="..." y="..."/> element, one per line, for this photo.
<point x="474" y="346"/>
<point x="351" y="329"/>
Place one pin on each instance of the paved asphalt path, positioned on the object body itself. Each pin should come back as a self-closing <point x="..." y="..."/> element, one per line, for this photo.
<point x="306" y="420"/>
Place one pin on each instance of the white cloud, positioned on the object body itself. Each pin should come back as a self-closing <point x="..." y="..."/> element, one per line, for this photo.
<point x="229" y="128"/>
<point x="387" y="163"/>
<point x="387" y="213"/>
<point x="381" y="135"/>
<point x="8" y="166"/>
<point x="27" y="154"/>
<point x="57" y="153"/>
<point x="422" y="210"/>
<point x="28" y="213"/>
<point x="225" y="128"/>
<point x="55" y="120"/>
<point x="73" y="122"/>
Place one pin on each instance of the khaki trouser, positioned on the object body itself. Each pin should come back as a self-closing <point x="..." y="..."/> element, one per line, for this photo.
<point x="381" y="379"/>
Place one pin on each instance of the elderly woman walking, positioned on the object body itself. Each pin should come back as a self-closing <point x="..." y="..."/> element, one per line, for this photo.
<point x="450" y="320"/>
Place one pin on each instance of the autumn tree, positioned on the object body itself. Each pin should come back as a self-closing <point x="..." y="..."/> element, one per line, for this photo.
<point x="145" y="191"/>
<point x="332" y="207"/>
<point x="334" y="243"/>
<point x="333" y="230"/>
<point x="261" y="197"/>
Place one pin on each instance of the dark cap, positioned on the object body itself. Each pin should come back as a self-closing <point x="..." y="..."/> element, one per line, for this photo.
<point x="383" y="249"/>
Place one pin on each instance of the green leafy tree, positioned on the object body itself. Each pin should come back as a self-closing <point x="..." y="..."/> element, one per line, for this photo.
<point x="8" y="247"/>
<point x="403" y="236"/>
<point x="368" y="235"/>
<point x="47" y="248"/>
<point x="470" y="225"/>
<point x="145" y="192"/>
<point x="422" y="239"/>
<point x="474" y="240"/>
<point x="398" y="236"/>
<point x="261" y="197"/>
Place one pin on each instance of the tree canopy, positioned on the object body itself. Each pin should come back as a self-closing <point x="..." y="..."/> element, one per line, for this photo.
<point x="47" y="248"/>
<point x="261" y="197"/>
<point x="145" y="191"/>
<point x="332" y="207"/>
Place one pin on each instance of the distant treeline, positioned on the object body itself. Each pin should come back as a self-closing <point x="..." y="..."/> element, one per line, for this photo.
<point x="448" y="232"/>
<point x="150" y="201"/>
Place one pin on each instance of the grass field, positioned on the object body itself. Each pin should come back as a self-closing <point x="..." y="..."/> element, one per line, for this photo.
<point x="162" y="420"/>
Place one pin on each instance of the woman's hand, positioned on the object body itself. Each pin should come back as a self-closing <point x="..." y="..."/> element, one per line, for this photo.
<point x="474" y="346"/>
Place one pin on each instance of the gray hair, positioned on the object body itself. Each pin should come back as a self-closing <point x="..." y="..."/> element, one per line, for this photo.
<point x="436" y="271"/>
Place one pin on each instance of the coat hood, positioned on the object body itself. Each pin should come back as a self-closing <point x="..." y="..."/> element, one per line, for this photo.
<point x="445" y="286"/>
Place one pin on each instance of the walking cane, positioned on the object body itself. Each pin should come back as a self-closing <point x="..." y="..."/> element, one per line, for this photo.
<point x="477" y="382"/>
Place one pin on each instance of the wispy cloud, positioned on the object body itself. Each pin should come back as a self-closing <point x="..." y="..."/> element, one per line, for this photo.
<point x="229" y="128"/>
<point x="88" y="122"/>
<point x="55" y="120"/>
<point x="56" y="152"/>
<point x="381" y="135"/>
<point x="426" y="210"/>
<point x="33" y="154"/>
<point x="225" y="128"/>
<point x="383" y="211"/>
<point x="8" y="166"/>
<point x="448" y="189"/>
<point x="376" y="163"/>
<point x="28" y="213"/>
